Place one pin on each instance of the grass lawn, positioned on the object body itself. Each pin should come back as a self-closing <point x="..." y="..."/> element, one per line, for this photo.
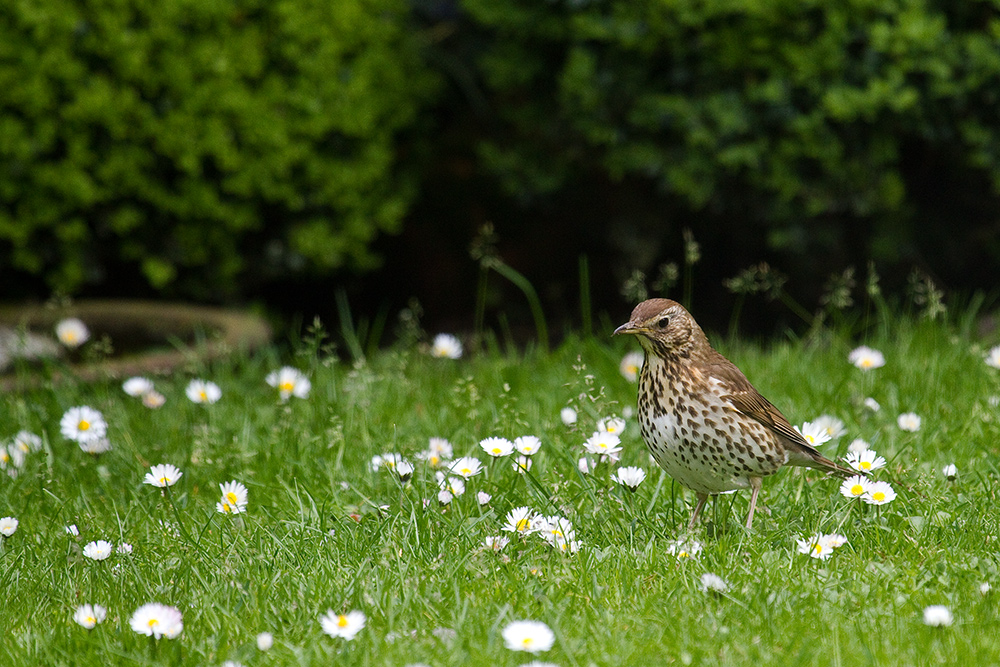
<point x="324" y="531"/>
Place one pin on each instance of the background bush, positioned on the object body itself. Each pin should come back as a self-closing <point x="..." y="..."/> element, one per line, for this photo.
<point x="259" y="150"/>
<point x="815" y="134"/>
<point x="195" y="148"/>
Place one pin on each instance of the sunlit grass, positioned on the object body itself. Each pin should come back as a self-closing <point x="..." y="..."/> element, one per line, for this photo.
<point x="324" y="531"/>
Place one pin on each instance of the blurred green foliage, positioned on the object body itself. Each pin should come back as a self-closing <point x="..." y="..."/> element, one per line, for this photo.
<point x="202" y="148"/>
<point x="200" y="143"/>
<point x="787" y="113"/>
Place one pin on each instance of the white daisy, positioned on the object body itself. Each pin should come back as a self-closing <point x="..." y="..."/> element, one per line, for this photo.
<point x="820" y="546"/>
<point x="265" y="640"/>
<point x="530" y="636"/>
<point x="713" y="583"/>
<point x="405" y="470"/>
<point x="203" y="391"/>
<point x="865" y="461"/>
<point x="937" y="615"/>
<point x="72" y="332"/>
<point x="496" y="542"/>
<point x="446" y="346"/>
<point x="346" y="626"/>
<point x="521" y="520"/>
<point x="558" y="531"/>
<point x="813" y="433"/>
<point x="386" y="461"/>
<point x="83" y="423"/>
<point x="857" y="446"/>
<point x="909" y="421"/>
<point x="866" y="358"/>
<point x="521" y="464"/>
<point x="162" y="475"/>
<point x="585" y="465"/>
<point x="153" y="399"/>
<point x="993" y="357"/>
<point x="855" y="487"/>
<point x="89" y="615"/>
<point x="98" y="550"/>
<point x="289" y="382"/>
<point x="124" y="549"/>
<point x="831" y="425"/>
<point x="611" y="425"/>
<point x="234" y="498"/>
<point x="872" y="404"/>
<point x="12" y="457"/>
<point x="26" y="441"/>
<point x="629" y="476"/>
<point x="568" y="416"/>
<point x="466" y="467"/>
<point x="879" y="493"/>
<point x="8" y="525"/>
<point x="950" y="471"/>
<point x="137" y="386"/>
<point x="95" y="446"/>
<point x="605" y="445"/>
<point x="527" y="445"/>
<point x="497" y="447"/>
<point x="71" y="529"/>
<point x="438" y="451"/>
<point x="630" y="366"/>
<point x="453" y="485"/>
<point x="157" y="620"/>
<point x="684" y="549"/>
<point x="483" y="498"/>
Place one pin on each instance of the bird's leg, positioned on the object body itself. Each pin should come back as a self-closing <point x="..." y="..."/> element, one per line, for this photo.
<point x="702" y="498"/>
<point x="755" y="483"/>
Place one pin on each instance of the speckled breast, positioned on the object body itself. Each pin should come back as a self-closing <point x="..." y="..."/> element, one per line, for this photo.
<point x="697" y="436"/>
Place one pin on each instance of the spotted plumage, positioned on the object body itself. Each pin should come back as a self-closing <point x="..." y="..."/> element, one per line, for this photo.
<point x="703" y="421"/>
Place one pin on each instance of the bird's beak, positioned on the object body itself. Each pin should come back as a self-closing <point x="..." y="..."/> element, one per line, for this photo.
<point x="627" y="328"/>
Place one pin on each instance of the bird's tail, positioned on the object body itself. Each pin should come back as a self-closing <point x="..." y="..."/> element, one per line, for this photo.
<point x="808" y="457"/>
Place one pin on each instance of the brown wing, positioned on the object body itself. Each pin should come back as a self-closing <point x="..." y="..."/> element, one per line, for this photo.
<point x="747" y="400"/>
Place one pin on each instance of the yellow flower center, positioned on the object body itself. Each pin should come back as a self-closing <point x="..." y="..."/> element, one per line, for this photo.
<point x="866" y="465"/>
<point x="435" y="460"/>
<point x="69" y="336"/>
<point x="83" y="425"/>
<point x="286" y="386"/>
<point x="203" y="395"/>
<point x="867" y="362"/>
<point x="341" y="621"/>
<point x="164" y="480"/>
<point x="810" y="439"/>
<point x="522" y="525"/>
<point x="231" y="497"/>
<point x="818" y="548"/>
<point x="878" y="496"/>
<point x="497" y="451"/>
<point x="857" y="490"/>
<point x="153" y="622"/>
<point x="227" y="508"/>
<point x="683" y="554"/>
<point x="465" y="471"/>
<point x="91" y="620"/>
<point x="526" y="641"/>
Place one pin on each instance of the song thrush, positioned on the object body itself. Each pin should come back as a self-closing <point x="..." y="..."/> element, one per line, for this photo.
<point x="702" y="420"/>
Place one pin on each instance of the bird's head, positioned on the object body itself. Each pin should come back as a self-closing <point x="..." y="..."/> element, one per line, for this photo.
<point x="664" y="328"/>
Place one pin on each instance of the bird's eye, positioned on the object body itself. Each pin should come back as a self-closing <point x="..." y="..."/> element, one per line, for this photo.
<point x="664" y="321"/>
